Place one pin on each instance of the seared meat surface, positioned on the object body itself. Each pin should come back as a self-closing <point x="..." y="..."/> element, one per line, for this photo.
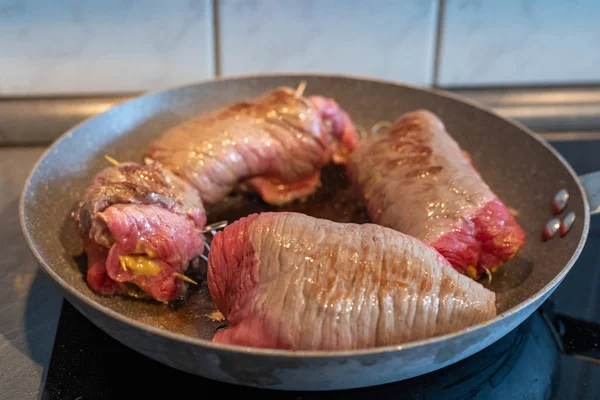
<point x="275" y="144"/>
<point x="132" y="183"/>
<point x="292" y="281"/>
<point x="417" y="180"/>
<point x="140" y="225"/>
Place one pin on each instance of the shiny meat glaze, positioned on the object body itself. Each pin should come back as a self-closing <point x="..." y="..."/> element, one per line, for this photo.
<point x="171" y="241"/>
<point x="132" y="183"/>
<point x="288" y="280"/>
<point x="277" y="138"/>
<point x="140" y="210"/>
<point x="417" y="180"/>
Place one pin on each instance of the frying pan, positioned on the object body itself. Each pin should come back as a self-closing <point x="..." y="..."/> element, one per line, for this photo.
<point x="520" y="167"/>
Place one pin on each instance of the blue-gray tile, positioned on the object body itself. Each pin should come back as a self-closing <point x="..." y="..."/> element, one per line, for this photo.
<point x="386" y="38"/>
<point x="493" y="42"/>
<point x="49" y="47"/>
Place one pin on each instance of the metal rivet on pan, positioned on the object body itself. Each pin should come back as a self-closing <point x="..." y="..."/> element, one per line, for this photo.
<point x="567" y="223"/>
<point x="560" y="200"/>
<point x="551" y="228"/>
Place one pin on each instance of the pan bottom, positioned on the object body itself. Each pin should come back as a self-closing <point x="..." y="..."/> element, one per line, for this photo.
<point x="195" y="316"/>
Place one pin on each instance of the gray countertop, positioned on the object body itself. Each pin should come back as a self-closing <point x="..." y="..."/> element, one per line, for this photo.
<point x="29" y="302"/>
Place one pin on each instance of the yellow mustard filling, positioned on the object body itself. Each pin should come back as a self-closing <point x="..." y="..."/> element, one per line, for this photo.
<point x="471" y="272"/>
<point x="138" y="250"/>
<point x="140" y="265"/>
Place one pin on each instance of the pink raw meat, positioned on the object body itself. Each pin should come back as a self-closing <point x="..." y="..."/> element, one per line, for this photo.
<point x="140" y="210"/>
<point x="417" y="180"/>
<point x="292" y="281"/>
<point x="274" y="144"/>
<point x="169" y="238"/>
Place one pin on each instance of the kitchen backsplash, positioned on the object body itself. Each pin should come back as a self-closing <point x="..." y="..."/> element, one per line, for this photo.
<point x="90" y="46"/>
<point x="384" y="38"/>
<point x="520" y="42"/>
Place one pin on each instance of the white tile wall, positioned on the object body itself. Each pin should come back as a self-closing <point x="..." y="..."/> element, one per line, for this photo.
<point x="89" y="46"/>
<point x="83" y="46"/>
<point x="489" y="42"/>
<point x="385" y="38"/>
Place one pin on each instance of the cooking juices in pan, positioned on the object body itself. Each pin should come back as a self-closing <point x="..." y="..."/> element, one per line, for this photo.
<point x="306" y="270"/>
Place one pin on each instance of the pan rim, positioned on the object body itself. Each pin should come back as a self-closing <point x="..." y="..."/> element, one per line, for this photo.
<point x="302" y="354"/>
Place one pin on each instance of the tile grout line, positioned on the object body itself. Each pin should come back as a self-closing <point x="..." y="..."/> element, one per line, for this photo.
<point x="216" y="39"/>
<point x="437" y="48"/>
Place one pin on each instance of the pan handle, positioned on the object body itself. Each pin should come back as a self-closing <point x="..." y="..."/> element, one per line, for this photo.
<point x="591" y="184"/>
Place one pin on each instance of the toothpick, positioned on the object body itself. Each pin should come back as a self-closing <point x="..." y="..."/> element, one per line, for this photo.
<point x="300" y="89"/>
<point x="380" y="125"/>
<point x="185" y="278"/>
<point x="111" y="160"/>
<point x="489" y="276"/>
<point x="216" y="225"/>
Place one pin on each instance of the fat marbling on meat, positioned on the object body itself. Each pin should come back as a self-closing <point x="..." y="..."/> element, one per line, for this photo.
<point x="291" y="281"/>
<point x="416" y="179"/>
<point x="274" y="144"/>
<point x="140" y="225"/>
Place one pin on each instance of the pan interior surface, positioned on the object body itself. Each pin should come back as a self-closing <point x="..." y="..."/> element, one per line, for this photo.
<point x="523" y="172"/>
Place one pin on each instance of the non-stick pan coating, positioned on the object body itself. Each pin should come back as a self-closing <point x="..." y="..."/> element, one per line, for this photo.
<point x="524" y="172"/>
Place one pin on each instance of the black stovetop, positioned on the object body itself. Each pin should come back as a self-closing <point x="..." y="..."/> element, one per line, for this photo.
<point x="553" y="355"/>
<point x="525" y="364"/>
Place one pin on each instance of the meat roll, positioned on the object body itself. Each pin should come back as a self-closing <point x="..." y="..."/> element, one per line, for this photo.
<point x="291" y="281"/>
<point x="141" y="228"/>
<point x="274" y="144"/>
<point x="417" y="180"/>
